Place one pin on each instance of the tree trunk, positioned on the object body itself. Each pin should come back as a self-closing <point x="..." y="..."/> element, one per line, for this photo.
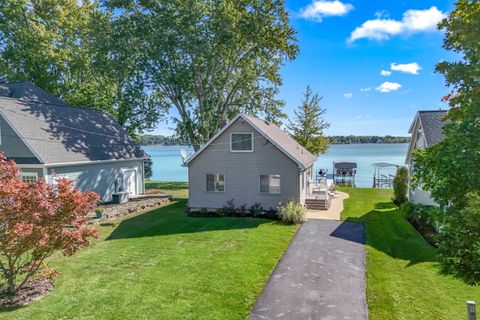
<point x="12" y="288"/>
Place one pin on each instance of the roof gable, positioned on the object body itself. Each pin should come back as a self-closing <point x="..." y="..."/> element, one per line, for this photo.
<point x="58" y="133"/>
<point x="432" y="125"/>
<point x="280" y="139"/>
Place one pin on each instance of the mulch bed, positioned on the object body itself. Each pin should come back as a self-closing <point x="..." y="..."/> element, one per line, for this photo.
<point x="33" y="290"/>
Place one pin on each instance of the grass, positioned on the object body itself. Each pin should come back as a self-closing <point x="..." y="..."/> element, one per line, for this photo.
<point x="164" y="265"/>
<point x="404" y="279"/>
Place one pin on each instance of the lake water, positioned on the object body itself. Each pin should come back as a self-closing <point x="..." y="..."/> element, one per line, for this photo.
<point x="167" y="160"/>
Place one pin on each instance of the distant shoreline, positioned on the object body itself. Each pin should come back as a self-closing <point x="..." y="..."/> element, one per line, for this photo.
<point x="336" y="144"/>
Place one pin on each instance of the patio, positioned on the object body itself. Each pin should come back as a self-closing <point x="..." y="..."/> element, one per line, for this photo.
<point x="334" y="210"/>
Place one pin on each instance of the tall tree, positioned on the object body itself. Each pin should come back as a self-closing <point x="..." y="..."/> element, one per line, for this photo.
<point x="212" y="59"/>
<point x="451" y="169"/>
<point x="78" y="52"/>
<point x="308" y="125"/>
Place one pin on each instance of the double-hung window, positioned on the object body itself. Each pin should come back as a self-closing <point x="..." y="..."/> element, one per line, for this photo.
<point x="241" y="142"/>
<point x="215" y="182"/>
<point x="29" y="176"/>
<point x="270" y="183"/>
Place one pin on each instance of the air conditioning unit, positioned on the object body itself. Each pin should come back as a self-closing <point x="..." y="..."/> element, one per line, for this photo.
<point x="120" y="197"/>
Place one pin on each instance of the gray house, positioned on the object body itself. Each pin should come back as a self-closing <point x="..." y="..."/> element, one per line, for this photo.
<point x="48" y="139"/>
<point x="426" y="131"/>
<point x="250" y="161"/>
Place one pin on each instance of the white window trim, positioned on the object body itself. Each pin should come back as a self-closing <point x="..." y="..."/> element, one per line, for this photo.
<point x="253" y="142"/>
<point x="29" y="174"/>
<point x="260" y="184"/>
<point x="224" y="183"/>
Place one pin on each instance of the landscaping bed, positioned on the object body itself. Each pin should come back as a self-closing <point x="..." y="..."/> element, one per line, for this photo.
<point x="109" y="211"/>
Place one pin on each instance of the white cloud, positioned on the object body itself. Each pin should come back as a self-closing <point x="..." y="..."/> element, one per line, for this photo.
<point x="319" y="9"/>
<point x="385" y="73"/>
<point x="411" y="68"/>
<point x="413" y="21"/>
<point x="367" y="89"/>
<point x="388" y="86"/>
<point x="348" y="95"/>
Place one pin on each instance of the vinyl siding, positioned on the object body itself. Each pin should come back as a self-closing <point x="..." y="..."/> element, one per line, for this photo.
<point x="417" y="195"/>
<point x="100" y="177"/>
<point x="242" y="172"/>
<point x="11" y="144"/>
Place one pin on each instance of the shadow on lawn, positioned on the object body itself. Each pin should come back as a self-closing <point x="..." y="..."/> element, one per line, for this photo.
<point x="389" y="232"/>
<point x="172" y="219"/>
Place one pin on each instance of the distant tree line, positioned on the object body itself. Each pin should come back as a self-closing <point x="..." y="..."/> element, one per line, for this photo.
<point x="152" y="139"/>
<point x="367" y="139"/>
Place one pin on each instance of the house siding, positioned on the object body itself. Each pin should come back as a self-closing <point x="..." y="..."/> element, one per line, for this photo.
<point x="242" y="172"/>
<point x="100" y="177"/>
<point x="417" y="195"/>
<point x="11" y="144"/>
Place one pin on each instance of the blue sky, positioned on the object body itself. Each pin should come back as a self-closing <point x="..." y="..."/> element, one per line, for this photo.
<point x="345" y="45"/>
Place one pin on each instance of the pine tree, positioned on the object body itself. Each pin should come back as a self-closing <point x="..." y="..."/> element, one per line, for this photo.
<point x="308" y="125"/>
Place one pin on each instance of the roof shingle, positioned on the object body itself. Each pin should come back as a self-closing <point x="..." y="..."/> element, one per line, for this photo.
<point x="59" y="133"/>
<point x="432" y="125"/>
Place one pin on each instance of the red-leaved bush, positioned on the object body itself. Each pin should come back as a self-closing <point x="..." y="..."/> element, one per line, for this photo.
<point x="36" y="219"/>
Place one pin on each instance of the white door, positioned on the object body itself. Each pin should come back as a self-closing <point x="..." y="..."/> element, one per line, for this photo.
<point x="131" y="181"/>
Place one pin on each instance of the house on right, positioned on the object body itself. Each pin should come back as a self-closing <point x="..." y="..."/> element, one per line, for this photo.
<point x="426" y="131"/>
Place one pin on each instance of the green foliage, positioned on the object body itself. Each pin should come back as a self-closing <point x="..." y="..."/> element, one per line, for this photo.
<point x="426" y="219"/>
<point x="256" y="209"/>
<point x="78" y="52"/>
<point x="147" y="167"/>
<point x="151" y="139"/>
<point x="211" y="59"/>
<point x="367" y="139"/>
<point x="404" y="279"/>
<point x="292" y="212"/>
<point x="459" y="244"/>
<point x="228" y="208"/>
<point x="451" y="169"/>
<point x="308" y="125"/>
<point x="400" y="186"/>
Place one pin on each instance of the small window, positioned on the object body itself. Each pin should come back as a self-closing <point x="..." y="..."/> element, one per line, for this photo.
<point x="215" y="182"/>
<point x="270" y="183"/>
<point x="29" y="176"/>
<point x="241" y="142"/>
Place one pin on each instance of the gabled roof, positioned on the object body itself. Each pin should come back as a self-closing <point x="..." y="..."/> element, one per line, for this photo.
<point x="58" y="133"/>
<point x="279" y="138"/>
<point x="432" y="125"/>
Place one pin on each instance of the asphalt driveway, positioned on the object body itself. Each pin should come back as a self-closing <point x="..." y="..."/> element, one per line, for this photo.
<point x="321" y="276"/>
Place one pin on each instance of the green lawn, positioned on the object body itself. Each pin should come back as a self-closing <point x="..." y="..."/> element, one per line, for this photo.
<point x="404" y="280"/>
<point x="164" y="265"/>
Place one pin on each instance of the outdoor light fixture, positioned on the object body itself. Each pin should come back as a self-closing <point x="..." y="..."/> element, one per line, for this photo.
<point x="471" y="312"/>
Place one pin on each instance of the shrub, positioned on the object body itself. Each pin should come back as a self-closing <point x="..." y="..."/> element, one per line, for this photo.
<point x="228" y="208"/>
<point x="426" y="219"/>
<point x="292" y="212"/>
<point x="459" y="244"/>
<point x="400" y="186"/>
<point x="204" y="211"/>
<point x="256" y="209"/>
<point x="242" y="210"/>
<point x="37" y="220"/>
<point x="98" y="213"/>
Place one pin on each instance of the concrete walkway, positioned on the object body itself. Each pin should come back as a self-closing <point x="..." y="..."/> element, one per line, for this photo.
<point x="321" y="276"/>
<point x="333" y="213"/>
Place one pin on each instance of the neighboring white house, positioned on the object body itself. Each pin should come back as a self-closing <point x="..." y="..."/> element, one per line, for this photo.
<point x="250" y="161"/>
<point x="426" y="131"/>
<point x="48" y="138"/>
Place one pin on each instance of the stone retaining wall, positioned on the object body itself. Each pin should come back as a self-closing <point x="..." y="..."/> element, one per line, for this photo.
<point x="110" y="211"/>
